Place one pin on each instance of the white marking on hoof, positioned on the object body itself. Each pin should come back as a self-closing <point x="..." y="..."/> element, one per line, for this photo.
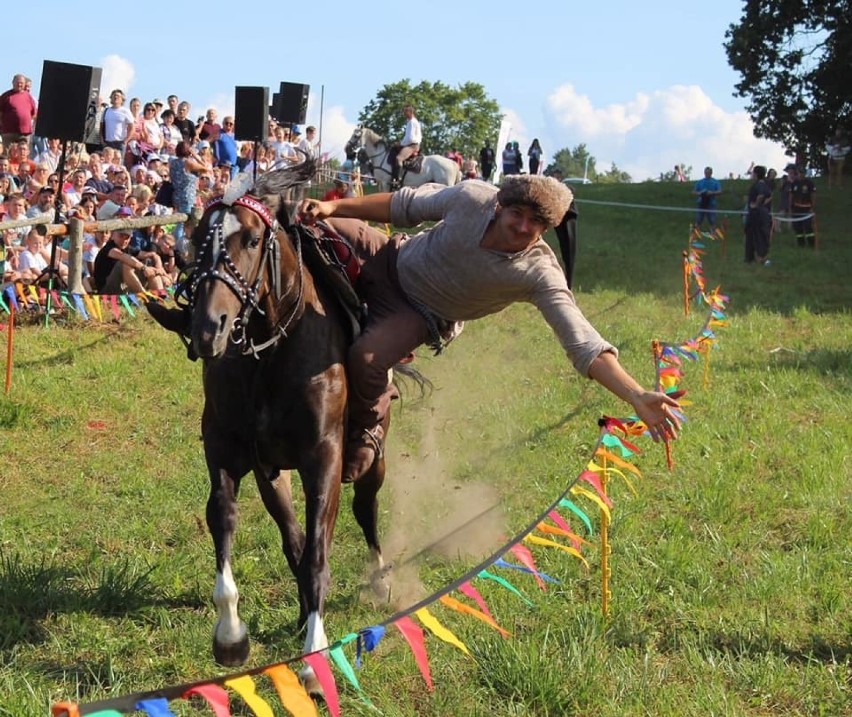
<point x="229" y="629"/>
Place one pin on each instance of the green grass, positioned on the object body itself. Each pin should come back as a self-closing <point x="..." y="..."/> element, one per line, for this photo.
<point x="730" y="576"/>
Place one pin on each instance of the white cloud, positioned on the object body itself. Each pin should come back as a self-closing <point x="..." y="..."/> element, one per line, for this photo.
<point x="651" y="132"/>
<point x="118" y="74"/>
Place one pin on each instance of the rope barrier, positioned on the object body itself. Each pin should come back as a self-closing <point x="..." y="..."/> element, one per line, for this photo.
<point x="740" y="212"/>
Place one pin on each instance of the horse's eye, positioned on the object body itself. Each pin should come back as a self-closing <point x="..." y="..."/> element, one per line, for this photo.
<point x="253" y="240"/>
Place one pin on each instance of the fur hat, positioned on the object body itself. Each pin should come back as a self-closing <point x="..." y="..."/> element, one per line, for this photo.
<point x="548" y="196"/>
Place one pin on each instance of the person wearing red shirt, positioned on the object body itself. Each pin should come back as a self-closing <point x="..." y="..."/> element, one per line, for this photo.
<point x="17" y="112"/>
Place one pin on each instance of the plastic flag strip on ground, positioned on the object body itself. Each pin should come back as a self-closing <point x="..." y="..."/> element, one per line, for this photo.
<point x="611" y="457"/>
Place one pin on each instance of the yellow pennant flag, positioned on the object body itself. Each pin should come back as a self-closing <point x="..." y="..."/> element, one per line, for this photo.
<point x="438" y="630"/>
<point x="290" y="691"/>
<point x="244" y="686"/>
<point x="595" y="468"/>
<point x="620" y="462"/>
<point x="595" y="498"/>
<point x="544" y="542"/>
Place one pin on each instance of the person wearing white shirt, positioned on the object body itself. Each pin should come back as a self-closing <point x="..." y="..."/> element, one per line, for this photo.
<point x="118" y="123"/>
<point x="410" y="143"/>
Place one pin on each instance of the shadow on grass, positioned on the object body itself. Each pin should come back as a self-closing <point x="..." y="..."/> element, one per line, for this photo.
<point x="832" y="364"/>
<point x="29" y="593"/>
<point x="63" y="358"/>
<point x="755" y="644"/>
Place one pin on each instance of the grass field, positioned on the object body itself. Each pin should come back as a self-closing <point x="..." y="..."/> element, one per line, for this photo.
<point x="731" y="574"/>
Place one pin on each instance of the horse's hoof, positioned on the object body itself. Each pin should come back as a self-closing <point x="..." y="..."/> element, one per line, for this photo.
<point x="380" y="585"/>
<point x="232" y="655"/>
<point x="311" y="684"/>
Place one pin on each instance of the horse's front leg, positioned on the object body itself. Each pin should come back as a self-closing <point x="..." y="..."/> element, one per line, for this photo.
<point x="277" y="495"/>
<point x="321" y="482"/>
<point x="230" y="635"/>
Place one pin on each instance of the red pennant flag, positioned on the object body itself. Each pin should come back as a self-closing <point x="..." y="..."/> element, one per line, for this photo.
<point x="522" y="553"/>
<point x="215" y="696"/>
<point x="476" y="596"/>
<point x="323" y="672"/>
<point x="414" y="637"/>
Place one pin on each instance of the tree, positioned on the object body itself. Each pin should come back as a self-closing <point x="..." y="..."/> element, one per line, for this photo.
<point x="462" y="117"/>
<point x="794" y="60"/>
<point x="575" y="162"/>
<point x="614" y="176"/>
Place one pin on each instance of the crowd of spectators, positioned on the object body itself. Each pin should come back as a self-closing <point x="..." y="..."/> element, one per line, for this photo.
<point x="138" y="159"/>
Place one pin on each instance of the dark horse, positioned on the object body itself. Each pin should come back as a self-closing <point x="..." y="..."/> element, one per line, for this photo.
<point x="273" y="343"/>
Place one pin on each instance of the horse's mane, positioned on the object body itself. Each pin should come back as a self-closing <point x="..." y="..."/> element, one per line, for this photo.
<point x="279" y="180"/>
<point x="373" y="137"/>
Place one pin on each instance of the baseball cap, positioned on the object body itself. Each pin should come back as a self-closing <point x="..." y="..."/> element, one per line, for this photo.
<point x="157" y="101"/>
<point x="203" y="144"/>
<point x="790" y="166"/>
<point x="296" y="129"/>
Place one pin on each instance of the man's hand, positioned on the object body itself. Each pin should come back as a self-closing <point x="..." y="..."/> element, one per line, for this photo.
<point x="310" y="211"/>
<point x="654" y="409"/>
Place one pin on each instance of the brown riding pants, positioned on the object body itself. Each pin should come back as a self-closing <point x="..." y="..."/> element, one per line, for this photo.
<point x="393" y="328"/>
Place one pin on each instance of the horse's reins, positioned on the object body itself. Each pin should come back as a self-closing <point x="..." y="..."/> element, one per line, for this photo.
<point x="370" y="157"/>
<point x="213" y="251"/>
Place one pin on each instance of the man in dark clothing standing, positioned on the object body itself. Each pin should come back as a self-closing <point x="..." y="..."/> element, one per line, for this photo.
<point x="486" y="162"/>
<point x="802" y="202"/>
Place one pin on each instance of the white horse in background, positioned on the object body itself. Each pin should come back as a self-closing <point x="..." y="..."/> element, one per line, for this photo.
<point x="371" y="149"/>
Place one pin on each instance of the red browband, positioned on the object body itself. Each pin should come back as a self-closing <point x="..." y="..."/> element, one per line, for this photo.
<point x="249" y="202"/>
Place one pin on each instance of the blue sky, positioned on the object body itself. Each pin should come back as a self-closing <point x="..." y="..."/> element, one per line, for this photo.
<point x="644" y="85"/>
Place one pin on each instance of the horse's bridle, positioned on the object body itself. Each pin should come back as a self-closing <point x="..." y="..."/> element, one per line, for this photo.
<point x="363" y="158"/>
<point x="212" y="252"/>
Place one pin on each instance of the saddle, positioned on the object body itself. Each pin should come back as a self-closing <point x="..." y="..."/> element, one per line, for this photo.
<point x="333" y="262"/>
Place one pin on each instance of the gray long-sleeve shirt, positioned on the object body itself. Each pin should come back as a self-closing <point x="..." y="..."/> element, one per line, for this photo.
<point x="445" y="268"/>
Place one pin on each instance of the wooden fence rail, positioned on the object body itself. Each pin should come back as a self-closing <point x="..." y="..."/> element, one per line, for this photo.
<point x="75" y="229"/>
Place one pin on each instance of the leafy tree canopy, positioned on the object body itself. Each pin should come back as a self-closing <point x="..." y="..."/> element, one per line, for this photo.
<point x="794" y="59"/>
<point x="578" y="162"/>
<point x="462" y="117"/>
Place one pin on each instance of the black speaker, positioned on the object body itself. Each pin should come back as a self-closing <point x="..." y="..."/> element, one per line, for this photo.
<point x="292" y="103"/>
<point x="67" y="100"/>
<point x="251" y="113"/>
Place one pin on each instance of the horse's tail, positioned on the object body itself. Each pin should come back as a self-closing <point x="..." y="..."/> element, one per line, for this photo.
<point x="403" y="373"/>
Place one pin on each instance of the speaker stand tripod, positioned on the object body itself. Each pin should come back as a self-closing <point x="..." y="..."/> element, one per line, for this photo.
<point x="52" y="272"/>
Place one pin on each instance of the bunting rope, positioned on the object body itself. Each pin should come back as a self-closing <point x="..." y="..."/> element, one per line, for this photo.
<point x="610" y="458"/>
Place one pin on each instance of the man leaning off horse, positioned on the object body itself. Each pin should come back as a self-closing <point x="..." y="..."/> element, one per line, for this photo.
<point x="410" y="144"/>
<point x="485" y="252"/>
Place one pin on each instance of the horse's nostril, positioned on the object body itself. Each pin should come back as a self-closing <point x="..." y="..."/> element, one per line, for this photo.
<point x="223" y="320"/>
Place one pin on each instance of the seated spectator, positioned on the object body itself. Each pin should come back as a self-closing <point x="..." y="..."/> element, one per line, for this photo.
<point x="116" y="199"/>
<point x="98" y="181"/>
<point x="51" y="155"/>
<point x="172" y="262"/>
<point x="35" y="258"/>
<point x="6" y="170"/>
<point x="340" y="190"/>
<point x="117" y="271"/>
<point x="16" y="208"/>
<point x="74" y="194"/>
<point x="31" y="262"/>
<point x="44" y="206"/>
<point x="7" y="186"/>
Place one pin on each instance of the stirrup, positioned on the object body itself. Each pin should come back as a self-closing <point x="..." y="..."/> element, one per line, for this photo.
<point x="376" y="440"/>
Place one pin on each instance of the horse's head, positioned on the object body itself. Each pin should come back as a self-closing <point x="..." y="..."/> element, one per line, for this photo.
<point x="237" y="252"/>
<point x="243" y="259"/>
<point x="355" y="143"/>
